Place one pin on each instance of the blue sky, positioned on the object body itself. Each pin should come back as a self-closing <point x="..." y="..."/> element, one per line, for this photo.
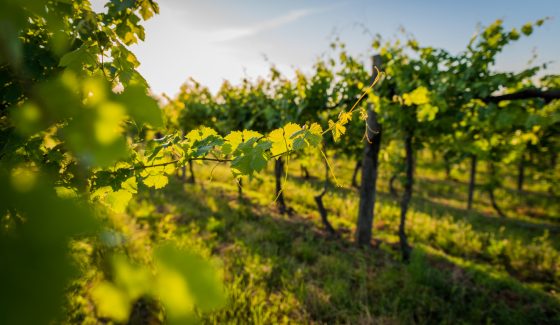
<point x="213" y="40"/>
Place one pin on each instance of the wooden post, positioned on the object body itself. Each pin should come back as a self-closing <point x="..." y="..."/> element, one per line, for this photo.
<point x="407" y="196"/>
<point x="520" y="174"/>
<point x="279" y="193"/>
<point x="369" y="171"/>
<point x="472" y="182"/>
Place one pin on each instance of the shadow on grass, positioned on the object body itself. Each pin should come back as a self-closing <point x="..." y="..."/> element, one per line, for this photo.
<point x="481" y="221"/>
<point x="338" y="283"/>
<point x="515" y="202"/>
<point x="317" y="184"/>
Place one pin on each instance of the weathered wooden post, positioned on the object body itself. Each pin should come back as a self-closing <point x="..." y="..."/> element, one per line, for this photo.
<point x="370" y="163"/>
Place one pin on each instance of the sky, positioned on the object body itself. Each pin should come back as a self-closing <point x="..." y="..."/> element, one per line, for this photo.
<point x="216" y="40"/>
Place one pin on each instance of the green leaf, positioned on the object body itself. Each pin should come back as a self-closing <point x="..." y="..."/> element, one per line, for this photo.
<point x="234" y="138"/>
<point x="111" y="302"/>
<point x="142" y="108"/>
<point x="201" y="141"/>
<point x="83" y="57"/>
<point x="118" y="201"/>
<point x="85" y="136"/>
<point x="418" y="96"/>
<point x="344" y="117"/>
<point x="186" y="279"/>
<point x="156" y="181"/>
<point x="426" y="112"/>
<point x="130" y="185"/>
<point x="308" y="137"/>
<point x="27" y="118"/>
<point x="66" y="103"/>
<point x="514" y="34"/>
<point x="35" y="263"/>
<point x="337" y="130"/>
<point x="281" y="138"/>
<point x="108" y="126"/>
<point x="252" y="157"/>
<point x="148" y="9"/>
<point x="13" y="49"/>
<point x="527" y="29"/>
<point x="136" y="280"/>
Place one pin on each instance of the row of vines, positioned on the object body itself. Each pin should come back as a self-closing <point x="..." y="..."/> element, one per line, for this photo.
<point x="81" y="135"/>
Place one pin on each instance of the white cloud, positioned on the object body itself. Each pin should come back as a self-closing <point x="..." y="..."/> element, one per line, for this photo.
<point x="230" y="34"/>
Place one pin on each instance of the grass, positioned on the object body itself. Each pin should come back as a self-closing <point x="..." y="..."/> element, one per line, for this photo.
<point x="467" y="266"/>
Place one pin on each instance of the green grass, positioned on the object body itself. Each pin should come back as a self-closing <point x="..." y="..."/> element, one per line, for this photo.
<point x="467" y="266"/>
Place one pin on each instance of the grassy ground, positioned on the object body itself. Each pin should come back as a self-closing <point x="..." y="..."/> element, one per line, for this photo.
<point x="467" y="266"/>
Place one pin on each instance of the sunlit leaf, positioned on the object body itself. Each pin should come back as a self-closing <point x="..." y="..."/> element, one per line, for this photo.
<point x="426" y="112"/>
<point x="234" y="138"/>
<point x="78" y="59"/>
<point x="281" y="138"/>
<point x="142" y="108"/>
<point x="111" y="302"/>
<point x="307" y="137"/>
<point x="156" y="181"/>
<point x="118" y="201"/>
<point x="135" y="280"/>
<point x="252" y="157"/>
<point x="337" y="130"/>
<point x="109" y="123"/>
<point x="418" y="96"/>
<point x="185" y="280"/>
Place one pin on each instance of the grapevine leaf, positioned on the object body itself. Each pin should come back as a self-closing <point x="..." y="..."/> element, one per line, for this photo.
<point x="142" y="108"/>
<point x="136" y="280"/>
<point x="252" y="157"/>
<point x="104" y="148"/>
<point x="426" y="112"/>
<point x="202" y="141"/>
<point x="185" y="280"/>
<point x="418" y="96"/>
<point x="130" y="185"/>
<point x="527" y="29"/>
<point x="344" y="117"/>
<point x="281" y="138"/>
<point x="307" y="137"/>
<point x="77" y="59"/>
<point x="234" y="138"/>
<point x="337" y="130"/>
<point x="111" y="302"/>
<point x="118" y="201"/>
<point x="156" y="181"/>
